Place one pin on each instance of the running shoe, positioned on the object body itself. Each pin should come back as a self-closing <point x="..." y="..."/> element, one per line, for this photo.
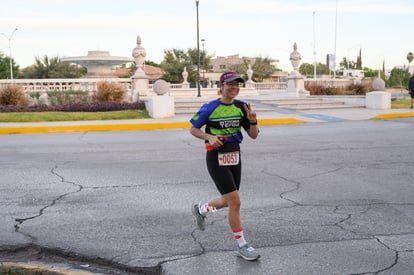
<point x="248" y="253"/>
<point x="199" y="218"/>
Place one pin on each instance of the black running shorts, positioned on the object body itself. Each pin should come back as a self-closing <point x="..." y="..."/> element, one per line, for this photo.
<point x="226" y="178"/>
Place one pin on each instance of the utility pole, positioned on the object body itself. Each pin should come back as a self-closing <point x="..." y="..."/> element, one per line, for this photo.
<point x="314" y="48"/>
<point x="198" y="53"/>
<point x="336" y="28"/>
<point x="10" y="51"/>
<point x="204" y="62"/>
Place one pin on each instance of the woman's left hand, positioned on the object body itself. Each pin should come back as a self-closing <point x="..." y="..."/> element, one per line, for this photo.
<point x="251" y="115"/>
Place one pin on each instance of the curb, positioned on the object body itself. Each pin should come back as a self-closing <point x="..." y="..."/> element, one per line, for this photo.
<point x="124" y="127"/>
<point x="37" y="268"/>
<point x="288" y="120"/>
<point x="92" y="127"/>
<point x="155" y="125"/>
<point x="394" y="115"/>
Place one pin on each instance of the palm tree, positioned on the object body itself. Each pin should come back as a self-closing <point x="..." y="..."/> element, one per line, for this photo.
<point x="44" y="67"/>
<point x="410" y="57"/>
<point x="52" y="67"/>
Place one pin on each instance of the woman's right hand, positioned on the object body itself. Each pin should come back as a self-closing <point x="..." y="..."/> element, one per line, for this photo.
<point x="215" y="141"/>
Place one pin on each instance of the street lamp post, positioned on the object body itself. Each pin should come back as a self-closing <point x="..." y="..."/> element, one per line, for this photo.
<point x="198" y="53"/>
<point x="204" y="62"/>
<point x="314" y="48"/>
<point x="336" y="28"/>
<point x="10" y="51"/>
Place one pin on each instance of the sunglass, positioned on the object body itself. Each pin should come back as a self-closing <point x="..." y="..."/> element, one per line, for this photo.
<point x="234" y="83"/>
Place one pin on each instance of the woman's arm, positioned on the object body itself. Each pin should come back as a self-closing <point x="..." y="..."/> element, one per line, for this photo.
<point x="253" y="131"/>
<point x="213" y="140"/>
<point x="198" y="133"/>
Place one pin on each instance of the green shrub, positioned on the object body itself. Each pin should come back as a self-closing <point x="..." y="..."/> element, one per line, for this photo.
<point x="110" y="92"/>
<point x="352" y="89"/>
<point x="35" y="95"/>
<point x="317" y="89"/>
<point x="358" y="89"/>
<point x="13" y="95"/>
<point x="79" y="107"/>
<point x="57" y="98"/>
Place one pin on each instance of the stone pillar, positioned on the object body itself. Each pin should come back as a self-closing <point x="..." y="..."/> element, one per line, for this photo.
<point x="160" y="106"/>
<point x="139" y="88"/>
<point x="296" y="81"/>
<point x="185" y="83"/>
<point x="139" y="79"/>
<point x="249" y="82"/>
<point x="378" y="99"/>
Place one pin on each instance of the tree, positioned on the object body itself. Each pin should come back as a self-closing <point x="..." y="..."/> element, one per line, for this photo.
<point x="5" y="67"/>
<point x="347" y="64"/>
<point x="368" y="72"/>
<point x="4" y="63"/>
<point x="173" y="64"/>
<point x="359" y="61"/>
<point x="151" y="63"/>
<point x="410" y="57"/>
<point x="204" y="58"/>
<point x="398" y="78"/>
<point x="176" y="59"/>
<point x="262" y="68"/>
<point x="204" y="61"/>
<point x="52" y="68"/>
<point x="322" y="69"/>
<point x="307" y="69"/>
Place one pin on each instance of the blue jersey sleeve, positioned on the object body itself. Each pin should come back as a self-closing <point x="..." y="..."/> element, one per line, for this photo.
<point x="201" y="117"/>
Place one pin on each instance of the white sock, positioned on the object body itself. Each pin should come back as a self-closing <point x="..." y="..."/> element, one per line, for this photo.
<point x="205" y="208"/>
<point x="238" y="235"/>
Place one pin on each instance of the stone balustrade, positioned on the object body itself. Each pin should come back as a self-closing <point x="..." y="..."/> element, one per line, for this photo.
<point x="62" y="84"/>
<point x="90" y="84"/>
<point x="327" y="82"/>
<point x="177" y="90"/>
<point x="270" y="85"/>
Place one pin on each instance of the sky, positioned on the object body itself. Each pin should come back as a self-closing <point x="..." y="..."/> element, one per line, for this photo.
<point x="381" y="29"/>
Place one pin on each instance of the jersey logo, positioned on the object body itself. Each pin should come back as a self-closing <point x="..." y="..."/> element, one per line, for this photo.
<point x="230" y="124"/>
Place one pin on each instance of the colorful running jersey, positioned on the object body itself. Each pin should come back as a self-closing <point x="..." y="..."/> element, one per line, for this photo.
<point x="222" y="119"/>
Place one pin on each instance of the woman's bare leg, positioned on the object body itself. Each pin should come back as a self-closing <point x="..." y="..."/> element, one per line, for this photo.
<point x="232" y="201"/>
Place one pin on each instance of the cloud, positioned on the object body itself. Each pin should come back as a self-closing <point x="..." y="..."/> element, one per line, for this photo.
<point x="245" y="27"/>
<point x="246" y="7"/>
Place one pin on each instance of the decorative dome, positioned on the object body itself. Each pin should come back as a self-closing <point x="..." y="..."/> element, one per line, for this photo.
<point x="98" y="63"/>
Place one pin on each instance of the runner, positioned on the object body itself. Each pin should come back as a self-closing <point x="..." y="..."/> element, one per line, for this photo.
<point x="411" y="89"/>
<point x="223" y="119"/>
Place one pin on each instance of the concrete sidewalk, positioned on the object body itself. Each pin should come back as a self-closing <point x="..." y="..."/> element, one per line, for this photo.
<point x="279" y="116"/>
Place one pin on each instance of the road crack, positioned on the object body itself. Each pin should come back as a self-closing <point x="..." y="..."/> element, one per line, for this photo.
<point x="20" y="221"/>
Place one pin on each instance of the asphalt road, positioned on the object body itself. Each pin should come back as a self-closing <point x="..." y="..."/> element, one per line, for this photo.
<point x="320" y="198"/>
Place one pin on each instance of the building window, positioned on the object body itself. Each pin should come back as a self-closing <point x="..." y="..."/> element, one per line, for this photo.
<point x="222" y="67"/>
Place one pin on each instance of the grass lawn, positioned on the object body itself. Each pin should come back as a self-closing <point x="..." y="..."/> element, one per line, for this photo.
<point x="71" y="116"/>
<point x="403" y="103"/>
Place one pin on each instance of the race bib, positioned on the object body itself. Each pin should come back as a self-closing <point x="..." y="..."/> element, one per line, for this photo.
<point x="229" y="159"/>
